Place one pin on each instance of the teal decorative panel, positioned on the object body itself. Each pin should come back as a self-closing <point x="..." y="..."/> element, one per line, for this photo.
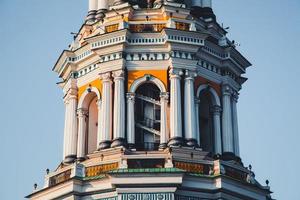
<point x="110" y="198"/>
<point x="180" y="197"/>
<point x="148" y="196"/>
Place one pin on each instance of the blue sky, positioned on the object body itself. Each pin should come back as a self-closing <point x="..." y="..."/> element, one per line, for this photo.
<point x="34" y="33"/>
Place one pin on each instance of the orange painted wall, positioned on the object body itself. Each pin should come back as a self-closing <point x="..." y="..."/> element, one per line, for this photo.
<point x="200" y="81"/>
<point x="136" y="74"/>
<point x="96" y="83"/>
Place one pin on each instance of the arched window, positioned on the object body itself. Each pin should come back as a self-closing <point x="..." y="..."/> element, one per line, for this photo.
<point x="92" y="126"/>
<point x="147" y="117"/>
<point x="209" y="126"/>
<point x="88" y="117"/>
<point x="206" y="122"/>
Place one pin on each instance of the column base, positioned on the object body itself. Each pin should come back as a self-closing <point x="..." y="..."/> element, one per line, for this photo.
<point x="163" y="146"/>
<point x="131" y="146"/>
<point x="119" y="142"/>
<point x="176" y="141"/>
<point x="100" y="14"/>
<point x="81" y="159"/>
<point x="91" y="16"/>
<point x="70" y="159"/>
<point x="192" y="142"/>
<point x="229" y="156"/>
<point x="104" y="145"/>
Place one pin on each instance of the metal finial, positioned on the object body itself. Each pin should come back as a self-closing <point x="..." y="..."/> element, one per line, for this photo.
<point x="35" y="186"/>
<point x="250" y="167"/>
<point x="47" y="171"/>
<point x="267" y="182"/>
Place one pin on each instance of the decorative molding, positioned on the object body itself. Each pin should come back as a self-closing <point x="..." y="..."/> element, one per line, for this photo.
<point x="147" y="196"/>
<point x="108" y="42"/>
<point x="147" y="78"/>
<point x="215" y="96"/>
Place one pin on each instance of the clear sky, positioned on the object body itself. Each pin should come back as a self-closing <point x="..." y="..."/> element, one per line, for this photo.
<point x="33" y="33"/>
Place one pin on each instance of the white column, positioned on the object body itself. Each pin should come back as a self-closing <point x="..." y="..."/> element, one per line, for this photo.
<point x="82" y="128"/>
<point x="73" y="125"/>
<point x="216" y="112"/>
<point x="119" y="109"/>
<point x="206" y="3"/>
<point x="235" y="97"/>
<point x="106" y="111"/>
<point x="93" y="5"/>
<point x="197" y="108"/>
<point x="227" y="120"/>
<point x="102" y="6"/>
<point x="163" y="120"/>
<point x="189" y="109"/>
<point x="99" y="127"/>
<point x="175" y="111"/>
<point x="130" y="119"/>
<point x="66" y="129"/>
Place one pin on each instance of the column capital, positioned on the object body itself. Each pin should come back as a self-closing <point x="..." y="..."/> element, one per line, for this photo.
<point x="118" y="74"/>
<point x="130" y="96"/>
<point x="106" y="77"/>
<point x="99" y="103"/>
<point x="226" y="90"/>
<point x="235" y="96"/>
<point x="82" y="112"/>
<point x="197" y="100"/>
<point x="164" y="96"/>
<point x="190" y="75"/>
<point x="175" y="73"/>
<point x="216" y="110"/>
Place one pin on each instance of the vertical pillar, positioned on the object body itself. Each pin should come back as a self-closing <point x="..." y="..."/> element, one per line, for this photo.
<point x="82" y="128"/>
<point x="119" y="110"/>
<point x="66" y="130"/>
<point x="216" y="112"/>
<point x="93" y="6"/>
<point x="235" y="97"/>
<point x="71" y="126"/>
<point x="189" y="109"/>
<point x="163" y="120"/>
<point x="175" y="111"/>
<point x="130" y="119"/>
<point x="106" y="111"/>
<point x="102" y="6"/>
<point x="99" y="127"/>
<point x="227" y="120"/>
<point x="197" y="108"/>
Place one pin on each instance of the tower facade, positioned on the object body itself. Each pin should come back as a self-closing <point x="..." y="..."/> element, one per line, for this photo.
<point x="150" y="92"/>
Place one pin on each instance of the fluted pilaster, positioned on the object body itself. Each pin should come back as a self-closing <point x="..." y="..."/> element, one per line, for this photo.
<point x="175" y="111"/>
<point x="82" y="133"/>
<point x="106" y="111"/>
<point x="130" y="119"/>
<point x="119" y="110"/>
<point x="164" y="97"/>
<point x="227" y="120"/>
<point x="189" y="109"/>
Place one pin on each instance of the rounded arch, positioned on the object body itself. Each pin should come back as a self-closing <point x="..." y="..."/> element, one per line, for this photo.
<point x="215" y="97"/>
<point x="147" y="79"/>
<point x="88" y="96"/>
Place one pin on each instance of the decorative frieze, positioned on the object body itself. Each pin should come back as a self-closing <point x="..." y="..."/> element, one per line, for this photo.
<point x="147" y="196"/>
<point x="185" y="40"/>
<point x="100" y="169"/>
<point x="59" y="178"/>
<point x="108" y="42"/>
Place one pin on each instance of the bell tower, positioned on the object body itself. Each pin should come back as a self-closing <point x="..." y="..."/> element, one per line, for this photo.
<point x="150" y="90"/>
